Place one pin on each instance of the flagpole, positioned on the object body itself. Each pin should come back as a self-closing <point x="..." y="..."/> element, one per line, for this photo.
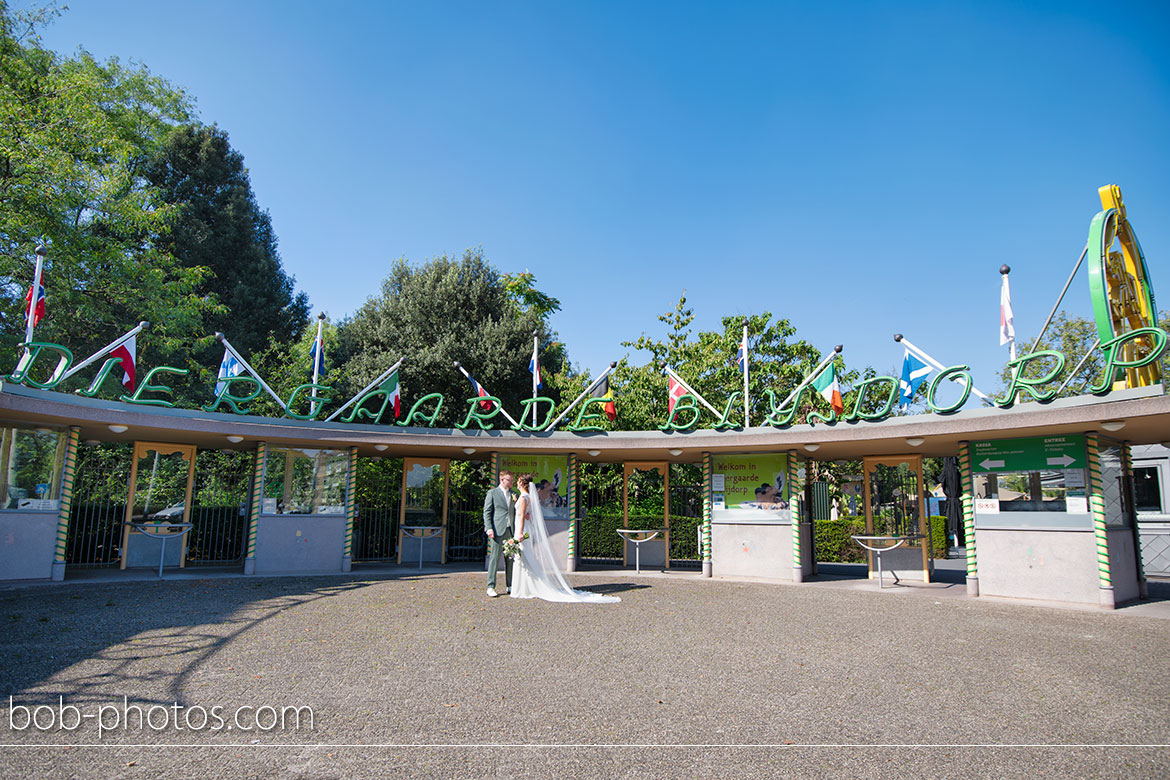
<point x="746" y="422"/>
<point x="1006" y="269"/>
<point x="535" y="372"/>
<point x="813" y="374"/>
<point x="40" y="251"/>
<point x="318" y="356"/>
<point x="463" y="371"/>
<point x="366" y="389"/>
<point x="228" y="346"/>
<point x="1073" y="373"/>
<point x="670" y="371"/>
<point x="107" y="349"/>
<point x="584" y="392"/>
<point x="898" y="337"/>
<point x="1067" y="284"/>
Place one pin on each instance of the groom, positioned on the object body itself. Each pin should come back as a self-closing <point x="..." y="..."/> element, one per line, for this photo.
<point x="498" y="512"/>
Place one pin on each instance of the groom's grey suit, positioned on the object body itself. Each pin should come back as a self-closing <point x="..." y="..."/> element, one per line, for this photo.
<point x="498" y="513"/>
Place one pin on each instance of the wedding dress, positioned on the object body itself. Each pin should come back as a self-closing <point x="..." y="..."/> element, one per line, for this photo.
<point x="535" y="571"/>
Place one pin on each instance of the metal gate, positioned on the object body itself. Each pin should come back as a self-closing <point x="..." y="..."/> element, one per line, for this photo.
<point x="686" y="514"/>
<point x="378" y="491"/>
<point x="470" y="481"/>
<point x="600" y="499"/>
<point x="99" y="506"/>
<point x="219" y="508"/>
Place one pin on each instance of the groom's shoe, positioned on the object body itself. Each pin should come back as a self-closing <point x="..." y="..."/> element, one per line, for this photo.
<point x="491" y="592"/>
<point x="505" y="591"/>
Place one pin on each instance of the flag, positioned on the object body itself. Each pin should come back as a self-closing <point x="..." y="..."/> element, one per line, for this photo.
<point x="741" y="356"/>
<point x="392" y="393"/>
<point x="317" y="355"/>
<point x="826" y="385"/>
<point x="602" y="391"/>
<point x="534" y="367"/>
<point x="38" y="313"/>
<point x="485" y="405"/>
<point x="1007" y="328"/>
<point x="128" y="351"/>
<point x="914" y="373"/>
<point x="675" y="391"/>
<point x="228" y="367"/>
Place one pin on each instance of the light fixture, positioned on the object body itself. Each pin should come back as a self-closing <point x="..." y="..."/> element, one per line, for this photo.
<point x="812" y="447"/>
<point x="1113" y="425"/>
<point x="915" y="441"/>
<point x="234" y="439"/>
<point x="380" y="447"/>
<point x="594" y="453"/>
<point x="675" y="453"/>
<point x="468" y="450"/>
<point x="91" y="442"/>
<point x="118" y="428"/>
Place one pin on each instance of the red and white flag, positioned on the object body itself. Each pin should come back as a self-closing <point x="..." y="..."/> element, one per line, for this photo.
<point x="675" y="391"/>
<point x="37" y="313"/>
<point x="128" y="351"/>
<point x="1007" y="329"/>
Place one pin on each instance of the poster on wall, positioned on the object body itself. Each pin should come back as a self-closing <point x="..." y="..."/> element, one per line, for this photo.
<point x="754" y="487"/>
<point x="550" y="474"/>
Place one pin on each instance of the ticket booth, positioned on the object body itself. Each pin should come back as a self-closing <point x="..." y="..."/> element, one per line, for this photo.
<point x="302" y="522"/>
<point x="1054" y="519"/>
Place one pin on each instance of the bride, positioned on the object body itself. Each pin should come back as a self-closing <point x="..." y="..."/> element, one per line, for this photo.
<point x="537" y="574"/>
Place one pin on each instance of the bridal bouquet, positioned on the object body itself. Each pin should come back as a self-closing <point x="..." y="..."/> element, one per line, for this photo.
<point x="512" y="547"/>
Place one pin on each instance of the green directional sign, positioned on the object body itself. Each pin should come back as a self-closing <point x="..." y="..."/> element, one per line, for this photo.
<point x="1038" y="453"/>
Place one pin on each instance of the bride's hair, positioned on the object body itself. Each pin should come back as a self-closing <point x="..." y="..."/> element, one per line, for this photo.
<point x="523" y="482"/>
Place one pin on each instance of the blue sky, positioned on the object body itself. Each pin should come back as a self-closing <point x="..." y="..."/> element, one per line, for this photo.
<point x="858" y="168"/>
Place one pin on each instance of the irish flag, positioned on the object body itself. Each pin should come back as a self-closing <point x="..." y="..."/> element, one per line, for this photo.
<point x="826" y="385"/>
<point x="390" y="386"/>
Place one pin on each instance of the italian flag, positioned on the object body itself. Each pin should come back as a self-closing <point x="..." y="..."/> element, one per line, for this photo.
<point x="826" y="385"/>
<point x="392" y="393"/>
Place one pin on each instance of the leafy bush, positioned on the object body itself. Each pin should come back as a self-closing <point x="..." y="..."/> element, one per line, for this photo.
<point x="835" y="545"/>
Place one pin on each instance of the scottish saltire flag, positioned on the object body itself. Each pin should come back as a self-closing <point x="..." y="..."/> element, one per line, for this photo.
<point x="741" y="356"/>
<point x="485" y="405"/>
<point x="1007" y="328"/>
<point x="37" y="311"/>
<point x="128" y="351"/>
<point x="317" y="354"/>
<point x="675" y="391"/>
<point x="914" y="373"/>
<point x="228" y="367"/>
<point x="534" y="367"/>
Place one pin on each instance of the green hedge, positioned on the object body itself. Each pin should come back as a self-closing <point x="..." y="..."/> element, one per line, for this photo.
<point x="835" y="545"/>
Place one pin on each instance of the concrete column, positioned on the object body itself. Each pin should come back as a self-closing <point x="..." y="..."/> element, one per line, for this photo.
<point x="794" y="505"/>
<point x="967" y="481"/>
<point x="65" y="507"/>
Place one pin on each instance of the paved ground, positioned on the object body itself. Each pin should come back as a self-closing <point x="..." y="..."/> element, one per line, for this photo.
<point x="685" y="678"/>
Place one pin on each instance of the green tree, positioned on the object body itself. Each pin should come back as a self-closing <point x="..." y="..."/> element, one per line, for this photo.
<point x="74" y="136"/>
<point x="219" y="226"/>
<point x="444" y="311"/>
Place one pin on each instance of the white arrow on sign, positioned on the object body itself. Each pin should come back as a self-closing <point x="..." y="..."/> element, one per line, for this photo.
<point x="1063" y="460"/>
<point x="992" y="464"/>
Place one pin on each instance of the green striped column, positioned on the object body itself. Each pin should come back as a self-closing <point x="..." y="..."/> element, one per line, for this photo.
<point x="1097" y="507"/>
<point x="1127" y="470"/>
<point x="706" y="551"/>
<point x="794" y="502"/>
<point x="68" y="475"/>
<point x="571" y="563"/>
<point x="965" y="478"/>
<point x="254" y="510"/>
<point x="495" y="460"/>
<point x="350" y="509"/>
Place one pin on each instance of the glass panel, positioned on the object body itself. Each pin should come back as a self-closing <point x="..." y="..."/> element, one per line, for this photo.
<point x="30" y="469"/>
<point x="305" y="482"/>
<point x="647" y="499"/>
<point x="1033" y="491"/>
<point x="894" y="501"/>
<point x="424" y="494"/>
<point x="1117" y="509"/>
<point x="1147" y="490"/>
<point x="161" y="487"/>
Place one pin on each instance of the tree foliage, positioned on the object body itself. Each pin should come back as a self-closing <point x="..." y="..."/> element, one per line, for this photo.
<point x="75" y="135"/>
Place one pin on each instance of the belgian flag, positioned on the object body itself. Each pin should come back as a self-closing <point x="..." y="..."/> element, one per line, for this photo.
<point x="602" y="391"/>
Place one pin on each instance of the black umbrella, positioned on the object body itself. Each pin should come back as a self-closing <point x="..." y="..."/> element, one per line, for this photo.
<point x="952" y="486"/>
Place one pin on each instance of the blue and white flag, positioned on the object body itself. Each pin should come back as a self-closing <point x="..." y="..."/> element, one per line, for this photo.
<point x="914" y="373"/>
<point x="228" y="367"/>
<point x="317" y="354"/>
<point x="534" y="367"/>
